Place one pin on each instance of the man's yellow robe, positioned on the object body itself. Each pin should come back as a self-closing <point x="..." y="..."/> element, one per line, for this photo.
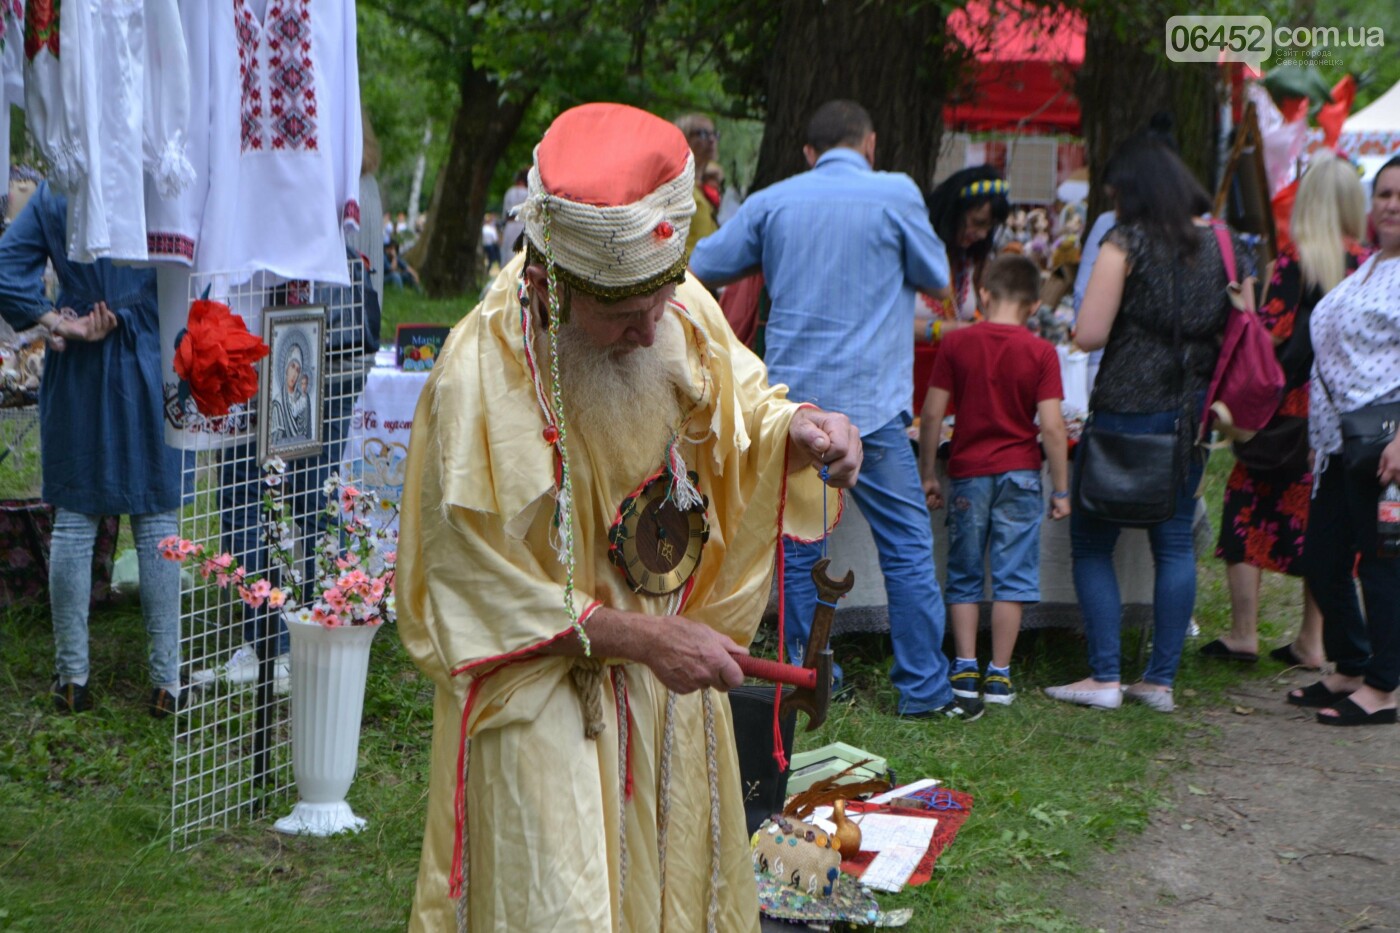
<point x="480" y="588"/>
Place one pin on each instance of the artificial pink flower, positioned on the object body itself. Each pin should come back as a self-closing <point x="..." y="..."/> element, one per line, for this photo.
<point x="335" y="598"/>
<point x="276" y="598"/>
<point x="251" y="599"/>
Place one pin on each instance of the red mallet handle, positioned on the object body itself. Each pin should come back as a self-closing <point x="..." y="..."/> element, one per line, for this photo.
<point x="764" y="669"/>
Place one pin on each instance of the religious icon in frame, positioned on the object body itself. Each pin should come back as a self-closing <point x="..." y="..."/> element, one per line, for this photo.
<point x="292" y="386"/>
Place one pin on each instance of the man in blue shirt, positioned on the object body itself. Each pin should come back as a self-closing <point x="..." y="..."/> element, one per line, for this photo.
<point x="843" y="249"/>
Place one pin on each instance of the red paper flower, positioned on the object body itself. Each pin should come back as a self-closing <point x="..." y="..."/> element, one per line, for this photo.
<point x="216" y="357"/>
<point x="664" y="230"/>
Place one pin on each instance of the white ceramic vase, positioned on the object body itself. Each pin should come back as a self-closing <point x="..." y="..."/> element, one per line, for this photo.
<point x="329" y="667"/>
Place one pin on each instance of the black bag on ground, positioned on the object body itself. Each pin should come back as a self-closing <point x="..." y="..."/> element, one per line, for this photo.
<point x="764" y="786"/>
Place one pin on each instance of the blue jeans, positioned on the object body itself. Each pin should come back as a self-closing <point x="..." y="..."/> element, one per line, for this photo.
<point x="891" y="498"/>
<point x="70" y="591"/>
<point x="1092" y="541"/>
<point x="995" y="520"/>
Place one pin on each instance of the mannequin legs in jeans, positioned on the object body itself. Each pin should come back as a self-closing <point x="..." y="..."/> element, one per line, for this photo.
<point x="70" y="592"/>
<point x="1174" y="592"/>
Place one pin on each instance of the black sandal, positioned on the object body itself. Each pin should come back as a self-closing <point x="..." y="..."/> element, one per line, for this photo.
<point x="1349" y="714"/>
<point x="1317" y="696"/>
<point x="1284" y="654"/>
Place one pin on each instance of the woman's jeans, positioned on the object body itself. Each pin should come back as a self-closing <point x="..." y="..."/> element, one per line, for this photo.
<point x="70" y="591"/>
<point x="1341" y="526"/>
<point x="1173" y="553"/>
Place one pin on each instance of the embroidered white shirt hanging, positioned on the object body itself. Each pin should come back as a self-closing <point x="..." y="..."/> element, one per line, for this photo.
<point x="285" y="142"/>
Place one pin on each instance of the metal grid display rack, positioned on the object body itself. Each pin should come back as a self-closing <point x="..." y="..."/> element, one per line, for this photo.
<point x="231" y="756"/>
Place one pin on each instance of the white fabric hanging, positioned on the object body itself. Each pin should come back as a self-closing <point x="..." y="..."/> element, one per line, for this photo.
<point x="284" y="161"/>
<point x="46" y="115"/>
<point x="173" y="223"/>
<point x="167" y="101"/>
<point x="11" y="69"/>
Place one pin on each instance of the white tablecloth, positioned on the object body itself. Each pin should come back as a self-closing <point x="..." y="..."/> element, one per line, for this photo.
<point x="377" y="445"/>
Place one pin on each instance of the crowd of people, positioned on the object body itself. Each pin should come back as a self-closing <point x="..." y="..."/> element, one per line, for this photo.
<point x="626" y="363"/>
<point x="598" y="423"/>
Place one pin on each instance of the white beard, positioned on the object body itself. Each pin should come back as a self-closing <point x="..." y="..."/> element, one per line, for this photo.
<point x="623" y="408"/>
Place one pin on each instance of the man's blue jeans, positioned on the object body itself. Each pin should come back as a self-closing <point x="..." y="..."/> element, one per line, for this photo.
<point x="1092" y="541"/>
<point x="891" y="498"/>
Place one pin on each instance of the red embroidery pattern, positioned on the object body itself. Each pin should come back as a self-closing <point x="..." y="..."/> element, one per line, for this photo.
<point x="41" y="27"/>
<point x="170" y="244"/>
<point x="352" y="212"/>
<point x="286" y="119"/>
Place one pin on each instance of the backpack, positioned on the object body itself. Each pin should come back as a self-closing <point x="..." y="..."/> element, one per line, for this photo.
<point x="1248" y="383"/>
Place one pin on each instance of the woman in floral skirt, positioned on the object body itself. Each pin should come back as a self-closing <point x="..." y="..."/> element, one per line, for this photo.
<point x="1266" y="510"/>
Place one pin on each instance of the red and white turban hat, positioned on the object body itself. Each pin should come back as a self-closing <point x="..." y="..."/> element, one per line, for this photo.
<point x="611" y="197"/>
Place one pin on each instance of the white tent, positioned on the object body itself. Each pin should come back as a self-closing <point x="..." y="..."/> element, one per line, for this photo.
<point x="1374" y="130"/>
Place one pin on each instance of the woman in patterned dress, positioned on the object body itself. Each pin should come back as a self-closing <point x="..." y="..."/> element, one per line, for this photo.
<point x="1266" y="511"/>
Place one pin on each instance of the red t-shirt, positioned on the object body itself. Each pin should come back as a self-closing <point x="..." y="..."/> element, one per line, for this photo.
<point x="997" y="374"/>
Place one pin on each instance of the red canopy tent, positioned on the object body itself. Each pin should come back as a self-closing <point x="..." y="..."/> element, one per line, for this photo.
<point x="1022" y="76"/>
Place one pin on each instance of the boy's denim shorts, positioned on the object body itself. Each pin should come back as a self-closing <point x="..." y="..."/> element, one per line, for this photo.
<point x="995" y="520"/>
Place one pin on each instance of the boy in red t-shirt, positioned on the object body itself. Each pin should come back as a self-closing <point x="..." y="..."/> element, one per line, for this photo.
<point x="1001" y="376"/>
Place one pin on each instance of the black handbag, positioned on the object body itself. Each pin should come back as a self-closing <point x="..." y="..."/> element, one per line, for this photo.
<point x="1132" y="479"/>
<point x="1365" y="434"/>
<point x="1127" y="479"/>
<point x="1282" y="447"/>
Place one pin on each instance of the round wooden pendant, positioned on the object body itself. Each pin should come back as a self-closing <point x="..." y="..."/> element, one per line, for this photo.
<point x="656" y="545"/>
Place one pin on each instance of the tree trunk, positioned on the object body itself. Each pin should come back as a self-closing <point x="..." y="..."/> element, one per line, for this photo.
<point x="1115" y="58"/>
<point x="482" y="128"/>
<point x="884" y="54"/>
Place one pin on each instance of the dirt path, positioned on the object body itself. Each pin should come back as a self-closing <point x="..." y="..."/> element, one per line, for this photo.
<point x="1281" y="825"/>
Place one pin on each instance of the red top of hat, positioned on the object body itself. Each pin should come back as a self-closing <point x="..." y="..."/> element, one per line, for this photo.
<point x="609" y="155"/>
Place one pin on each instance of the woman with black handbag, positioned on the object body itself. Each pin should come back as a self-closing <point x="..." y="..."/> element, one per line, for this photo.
<point x="1265" y="506"/>
<point x="1157" y="304"/>
<point x="1355" y="403"/>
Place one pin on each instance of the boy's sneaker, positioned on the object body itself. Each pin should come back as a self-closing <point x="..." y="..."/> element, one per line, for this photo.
<point x="966" y="683"/>
<point x="965" y="709"/>
<point x="996" y="688"/>
<point x="71" y="698"/>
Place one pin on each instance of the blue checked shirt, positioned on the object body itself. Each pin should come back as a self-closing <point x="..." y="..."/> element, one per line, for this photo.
<point x="843" y="249"/>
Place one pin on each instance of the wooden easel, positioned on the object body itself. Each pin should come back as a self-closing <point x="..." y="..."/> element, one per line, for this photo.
<point x="1250" y="210"/>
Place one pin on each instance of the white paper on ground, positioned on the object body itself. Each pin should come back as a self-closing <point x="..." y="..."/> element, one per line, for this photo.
<point x="892" y="867"/>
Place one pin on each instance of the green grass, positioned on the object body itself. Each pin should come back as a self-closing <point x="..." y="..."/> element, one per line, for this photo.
<point x="84" y="801"/>
<point x="401" y="306"/>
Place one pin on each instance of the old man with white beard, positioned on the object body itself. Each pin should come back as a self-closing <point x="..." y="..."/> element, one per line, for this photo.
<point x="598" y="482"/>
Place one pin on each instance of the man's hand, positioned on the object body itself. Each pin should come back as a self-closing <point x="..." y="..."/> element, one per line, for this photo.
<point x="689" y="656"/>
<point x="826" y="438"/>
<point x="1059" y="508"/>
